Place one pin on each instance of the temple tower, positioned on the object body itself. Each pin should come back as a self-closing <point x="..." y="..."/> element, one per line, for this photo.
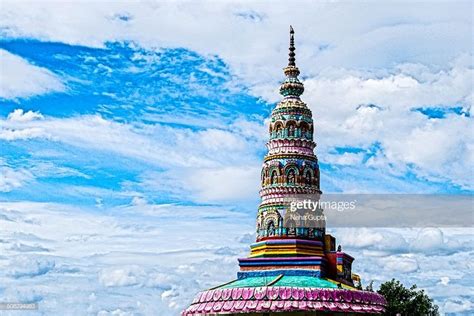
<point x="294" y="267"/>
<point x="290" y="169"/>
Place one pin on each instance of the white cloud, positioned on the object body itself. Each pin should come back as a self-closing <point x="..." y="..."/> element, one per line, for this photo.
<point x="21" y="134"/>
<point x="11" y="179"/>
<point x="394" y="59"/>
<point x="153" y="143"/>
<point x="428" y="238"/>
<point x="20" y="79"/>
<point x="443" y="274"/>
<point x="458" y="305"/>
<point x="444" y="280"/>
<point x="431" y="241"/>
<point x="108" y="256"/>
<point x="29" y="267"/>
<point x="226" y="184"/>
<point x="345" y="159"/>
<point x="381" y="242"/>
<point x="360" y="110"/>
<point x="374" y="242"/>
<point x="214" y="139"/>
<point x="199" y="162"/>
<point x="95" y="259"/>
<point x="20" y="247"/>
<point x="372" y="36"/>
<point x="125" y="276"/>
<point x="116" y="312"/>
<point x="19" y="115"/>
<point x="397" y="265"/>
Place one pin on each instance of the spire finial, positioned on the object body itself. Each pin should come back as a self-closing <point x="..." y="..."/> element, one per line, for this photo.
<point x="291" y="87"/>
<point x="291" y="60"/>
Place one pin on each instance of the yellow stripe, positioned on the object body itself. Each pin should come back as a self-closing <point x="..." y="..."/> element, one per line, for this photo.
<point x="298" y="252"/>
<point x="287" y="246"/>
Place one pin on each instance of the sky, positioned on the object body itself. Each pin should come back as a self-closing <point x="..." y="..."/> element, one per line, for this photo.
<point x="132" y="137"/>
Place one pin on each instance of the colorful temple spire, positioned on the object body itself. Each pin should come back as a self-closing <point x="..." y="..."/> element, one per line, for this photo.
<point x="290" y="169"/>
<point x="294" y="265"/>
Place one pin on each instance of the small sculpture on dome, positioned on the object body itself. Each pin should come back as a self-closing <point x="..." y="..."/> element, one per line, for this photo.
<point x="291" y="177"/>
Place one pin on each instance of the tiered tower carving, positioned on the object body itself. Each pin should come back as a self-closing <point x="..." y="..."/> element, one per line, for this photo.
<point x="290" y="167"/>
<point x="294" y="267"/>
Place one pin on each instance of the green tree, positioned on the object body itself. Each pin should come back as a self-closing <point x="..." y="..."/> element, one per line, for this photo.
<point x="406" y="301"/>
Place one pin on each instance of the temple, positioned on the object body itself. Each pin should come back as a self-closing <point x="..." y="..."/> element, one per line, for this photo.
<point x="294" y="267"/>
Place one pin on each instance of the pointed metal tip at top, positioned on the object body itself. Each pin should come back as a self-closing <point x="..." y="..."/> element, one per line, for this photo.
<point x="291" y="59"/>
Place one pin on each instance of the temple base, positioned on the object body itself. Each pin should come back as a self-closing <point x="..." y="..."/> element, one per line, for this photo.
<point x="283" y="300"/>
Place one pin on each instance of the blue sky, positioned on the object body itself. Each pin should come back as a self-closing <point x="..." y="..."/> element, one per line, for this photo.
<point x="131" y="140"/>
